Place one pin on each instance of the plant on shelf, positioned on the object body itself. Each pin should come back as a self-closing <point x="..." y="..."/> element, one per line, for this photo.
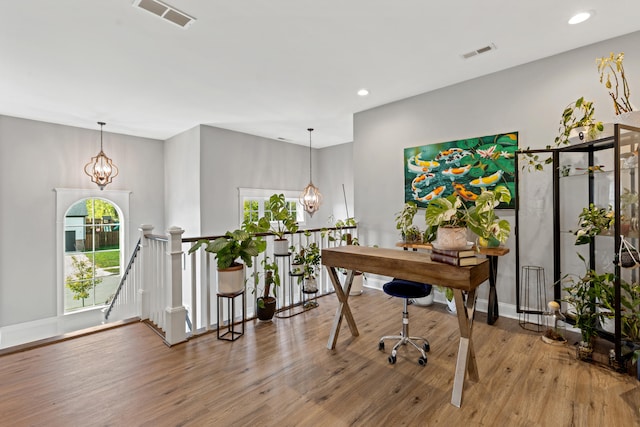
<point x="311" y="265"/>
<point x="584" y="293"/>
<point x="451" y="212"/>
<point x="404" y="222"/>
<point x="576" y="115"/>
<point x="593" y="221"/>
<point x="266" y="302"/>
<point x="483" y="221"/>
<point x="449" y="215"/>
<point x="230" y="249"/>
<point x="612" y="75"/>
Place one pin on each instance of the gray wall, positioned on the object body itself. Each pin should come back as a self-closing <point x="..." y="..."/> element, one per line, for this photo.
<point x="35" y="158"/>
<point x="528" y="99"/>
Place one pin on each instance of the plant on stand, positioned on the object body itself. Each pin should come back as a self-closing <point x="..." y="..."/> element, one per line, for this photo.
<point x="230" y="249"/>
<point x="449" y="215"/>
<point x="278" y="219"/>
<point x="266" y="303"/>
<point x="311" y="264"/>
<point x="483" y="221"/>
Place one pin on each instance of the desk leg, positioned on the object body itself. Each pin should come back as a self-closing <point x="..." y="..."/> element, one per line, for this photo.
<point x="492" y="309"/>
<point x="466" y="362"/>
<point x="343" y="307"/>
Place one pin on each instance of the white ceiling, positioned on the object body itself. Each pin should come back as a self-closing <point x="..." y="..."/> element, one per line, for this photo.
<point x="268" y="68"/>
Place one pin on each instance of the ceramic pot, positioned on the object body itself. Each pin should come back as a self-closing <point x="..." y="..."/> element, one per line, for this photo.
<point x="632" y="118"/>
<point x="265" y="308"/>
<point x="231" y="280"/>
<point x="280" y="247"/>
<point x="357" y="286"/>
<point x="451" y="238"/>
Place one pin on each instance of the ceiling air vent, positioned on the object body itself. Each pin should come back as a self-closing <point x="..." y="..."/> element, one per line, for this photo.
<point x="166" y="12"/>
<point x="479" y="51"/>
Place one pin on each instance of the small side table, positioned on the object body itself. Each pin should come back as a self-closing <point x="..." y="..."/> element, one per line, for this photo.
<point x="230" y="331"/>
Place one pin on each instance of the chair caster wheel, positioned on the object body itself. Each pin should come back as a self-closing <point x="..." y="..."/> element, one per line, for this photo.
<point x="392" y="360"/>
<point x="426" y="347"/>
<point x="381" y="345"/>
<point x="422" y="361"/>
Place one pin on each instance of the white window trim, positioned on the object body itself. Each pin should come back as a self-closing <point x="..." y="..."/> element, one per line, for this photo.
<point x="262" y="193"/>
<point x="65" y="198"/>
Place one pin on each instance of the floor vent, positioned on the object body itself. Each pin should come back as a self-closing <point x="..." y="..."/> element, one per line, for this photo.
<point x="479" y="51"/>
<point x="166" y="12"/>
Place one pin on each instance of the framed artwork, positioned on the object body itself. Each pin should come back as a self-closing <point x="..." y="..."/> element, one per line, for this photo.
<point x="464" y="167"/>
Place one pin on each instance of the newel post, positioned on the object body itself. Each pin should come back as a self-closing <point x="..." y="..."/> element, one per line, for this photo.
<point x="176" y="314"/>
<point x="145" y="260"/>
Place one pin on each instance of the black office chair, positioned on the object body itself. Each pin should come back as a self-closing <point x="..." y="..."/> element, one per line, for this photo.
<point x="407" y="290"/>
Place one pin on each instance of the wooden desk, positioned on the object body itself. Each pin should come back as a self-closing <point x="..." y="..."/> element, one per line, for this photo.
<point x="416" y="266"/>
<point x="492" y="255"/>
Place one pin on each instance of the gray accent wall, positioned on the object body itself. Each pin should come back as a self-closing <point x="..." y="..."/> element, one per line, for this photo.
<point x="528" y="99"/>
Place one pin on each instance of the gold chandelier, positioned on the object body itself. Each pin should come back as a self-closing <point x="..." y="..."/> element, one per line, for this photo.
<point x="311" y="197"/>
<point x="101" y="169"/>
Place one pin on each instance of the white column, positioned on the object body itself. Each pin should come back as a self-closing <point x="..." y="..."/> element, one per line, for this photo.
<point x="176" y="314"/>
<point x="145" y="263"/>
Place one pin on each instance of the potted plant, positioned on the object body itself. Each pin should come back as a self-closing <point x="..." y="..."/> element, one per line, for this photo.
<point x="577" y="117"/>
<point x="297" y="262"/>
<point x="404" y="223"/>
<point x="277" y="220"/>
<point x="584" y="293"/>
<point x="612" y="76"/>
<point x="628" y="209"/>
<point x="229" y="250"/>
<point x="593" y="221"/>
<point x="449" y="215"/>
<point x="311" y="264"/>
<point x="483" y="221"/>
<point x="266" y="303"/>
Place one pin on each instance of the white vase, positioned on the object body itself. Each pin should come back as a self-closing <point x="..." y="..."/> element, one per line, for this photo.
<point x="632" y="118"/>
<point x="357" y="286"/>
<point x="451" y="238"/>
<point x="424" y="301"/>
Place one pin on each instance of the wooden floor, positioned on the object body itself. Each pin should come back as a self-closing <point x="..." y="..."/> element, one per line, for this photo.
<point x="282" y="374"/>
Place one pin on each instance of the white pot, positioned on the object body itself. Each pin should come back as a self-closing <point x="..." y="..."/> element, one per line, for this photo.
<point x="451" y="306"/>
<point x="231" y="280"/>
<point x="581" y="134"/>
<point x="425" y="301"/>
<point x="357" y="286"/>
<point x="280" y="247"/>
<point x="297" y="269"/>
<point x="451" y="238"/>
<point x="631" y="118"/>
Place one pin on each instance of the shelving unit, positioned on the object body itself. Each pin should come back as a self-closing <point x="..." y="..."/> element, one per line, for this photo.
<point x="599" y="171"/>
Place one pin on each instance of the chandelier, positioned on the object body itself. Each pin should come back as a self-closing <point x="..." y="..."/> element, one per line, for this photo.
<point x="310" y="197"/>
<point x="100" y="168"/>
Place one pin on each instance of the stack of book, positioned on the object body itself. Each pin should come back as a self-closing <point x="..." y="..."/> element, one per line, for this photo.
<point x="460" y="258"/>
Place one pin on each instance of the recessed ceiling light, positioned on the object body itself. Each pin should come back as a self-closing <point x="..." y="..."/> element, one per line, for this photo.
<point x="363" y="92"/>
<point x="579" y="17"/>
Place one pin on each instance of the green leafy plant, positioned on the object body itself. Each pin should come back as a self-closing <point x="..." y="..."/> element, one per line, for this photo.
<point x="575" y="115"/>
<point x="612" y="75"/>
<point x="271" y="276"/>
<point x="583" y="293"/>
<point x="448" y="211"/>
<point x="482" y="219"/>
<point x="311" y="260"/>
<point x="593" y="221"/>
<point x="277" y="219"/>
<point x="404" y="223"/>
<point x="235" y="245"/>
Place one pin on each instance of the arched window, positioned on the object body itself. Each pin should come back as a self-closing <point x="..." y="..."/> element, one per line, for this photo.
<point x="68" y="226"/>
<point x="92" y="253"/>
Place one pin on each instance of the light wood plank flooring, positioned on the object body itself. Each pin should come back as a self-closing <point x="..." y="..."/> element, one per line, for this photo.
<point x="282" y="374"/>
